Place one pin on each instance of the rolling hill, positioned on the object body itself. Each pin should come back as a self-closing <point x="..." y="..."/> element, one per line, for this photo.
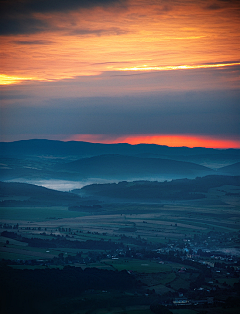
<point x="23" y="194"/>
<point x="47" y="159"/>
<point x="126" y="167"/>
<point x="233" y="169"/>
<point x="181" y="189"/>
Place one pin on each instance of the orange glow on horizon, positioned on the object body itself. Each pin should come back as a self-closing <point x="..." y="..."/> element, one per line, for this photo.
<point x="172" y="140"/>
<point x="8" y="80"/>
<point x="177" y="67"/>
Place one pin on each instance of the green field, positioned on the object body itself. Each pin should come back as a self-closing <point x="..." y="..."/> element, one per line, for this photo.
<point x="138" y="227"/>
<point x="37" y="214"/>
<point x="184" y="311"/>
<point x="141" y="266"/>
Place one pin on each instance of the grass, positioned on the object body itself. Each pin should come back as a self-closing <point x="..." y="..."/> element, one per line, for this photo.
<point x="37" y="213"/>
<point x="157" y="226"/>
<point x="180" y="283"/>
<point x="147" y="311"/>
<point x="234" y="310"/>
<point x="141" y="266"/>
<point x="26" y="252"/>
<point x="35" y="267"/>
<point x="184" y="311"/>
<point x="14" y="256"/>
<point x="229" y="281"/>
<point x="157" y="280"/>
<point x="118" y="311"/>
<point x="11" y="241"/>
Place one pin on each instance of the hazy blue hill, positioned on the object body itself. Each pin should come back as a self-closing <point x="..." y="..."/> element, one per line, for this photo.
<point x="37" y="159"/>
<point x="34" y="194"/>
<point x="214" y="160"/>
<point x="59" y="148"/>
<point x="181" y="189"/>
<point x="29" y="169"/>
<point x="231" y="169"/>
<point x="129" y="166"/>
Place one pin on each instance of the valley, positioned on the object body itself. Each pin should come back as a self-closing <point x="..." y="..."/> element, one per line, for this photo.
<point x="170" y="246"/>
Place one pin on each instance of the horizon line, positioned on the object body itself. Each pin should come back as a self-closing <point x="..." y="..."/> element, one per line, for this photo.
<point x="168" y="140"/>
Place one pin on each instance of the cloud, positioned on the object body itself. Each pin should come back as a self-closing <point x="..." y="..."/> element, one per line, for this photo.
<point x="16" y="7"/>
<point x="33" y="42"/>
<point x="221" y="4"/>
<point x="19" y="16"/>
<point x="13" y="95"/>
<point x="98" y="32"/>
<point x="209" y="113"/>
<point x="44" y="6"/>
<point x="21" y="25"/>
<point x="213" y="6"/>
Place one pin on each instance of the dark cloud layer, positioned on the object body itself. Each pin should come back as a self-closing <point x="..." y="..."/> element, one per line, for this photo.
<point x="98" y="32"/>
<point x="13" y="7"/>
<point x="21" y="25"/>
<point x="17" y="16"/>
<point x="179" y="113"/>
<point x="215" y="5"/>
<point x="33" y="42"/>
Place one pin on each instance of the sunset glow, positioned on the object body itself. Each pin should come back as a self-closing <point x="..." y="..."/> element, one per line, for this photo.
<point x="171" y="140"/>
<point x="178" y="67"/>
<point x="125" y="113"/>
<point x="124" y="36"/>
<point x="7" y="80"/>
<point x="136" y="67"/>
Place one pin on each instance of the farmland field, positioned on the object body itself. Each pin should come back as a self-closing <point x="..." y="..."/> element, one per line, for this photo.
<point x="185" y="248"/>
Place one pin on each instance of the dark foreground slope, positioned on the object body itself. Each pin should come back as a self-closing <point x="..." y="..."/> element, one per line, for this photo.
<point x="182" y="189"/>
<point x="57" y="291"/>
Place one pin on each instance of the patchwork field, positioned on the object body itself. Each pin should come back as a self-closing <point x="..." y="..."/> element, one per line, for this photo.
<point x="172" y="249"/>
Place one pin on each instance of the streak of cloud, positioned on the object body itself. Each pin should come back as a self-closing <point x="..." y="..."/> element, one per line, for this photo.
<point x="26" y="17"/>
<point x="33" y="42"/>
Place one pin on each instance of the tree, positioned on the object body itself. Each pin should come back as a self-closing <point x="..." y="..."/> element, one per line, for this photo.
<point x="159" y="309"/>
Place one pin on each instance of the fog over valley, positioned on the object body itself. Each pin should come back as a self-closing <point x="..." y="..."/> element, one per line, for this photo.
<point x="88" y="227"/>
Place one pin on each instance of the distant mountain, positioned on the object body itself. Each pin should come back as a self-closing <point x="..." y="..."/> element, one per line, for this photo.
<point x="85" y="149"/>
<point x="126" y="167"/>
<point x="181" y="189"/>
<point x="41" y="159"/>
<point x="231" y="169"/>
<point x="23" y="194"/>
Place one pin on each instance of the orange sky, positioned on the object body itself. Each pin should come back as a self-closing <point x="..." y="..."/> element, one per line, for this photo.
<point x="173" y="140"/>
<point x="137" y="34"/>
<point x="136" y="67"/>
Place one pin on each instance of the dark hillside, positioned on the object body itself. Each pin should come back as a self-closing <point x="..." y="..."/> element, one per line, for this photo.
<point x="182" y="189"/>
<point x="129" y="166"/>
<point x="34" y="195"/>
<point x="231" y="169"/>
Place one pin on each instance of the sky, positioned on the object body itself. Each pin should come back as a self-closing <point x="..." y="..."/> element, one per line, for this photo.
<point x="109" y="71"/>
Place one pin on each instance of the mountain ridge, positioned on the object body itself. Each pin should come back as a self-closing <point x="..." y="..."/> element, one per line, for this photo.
<point x="54" y="147"/>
